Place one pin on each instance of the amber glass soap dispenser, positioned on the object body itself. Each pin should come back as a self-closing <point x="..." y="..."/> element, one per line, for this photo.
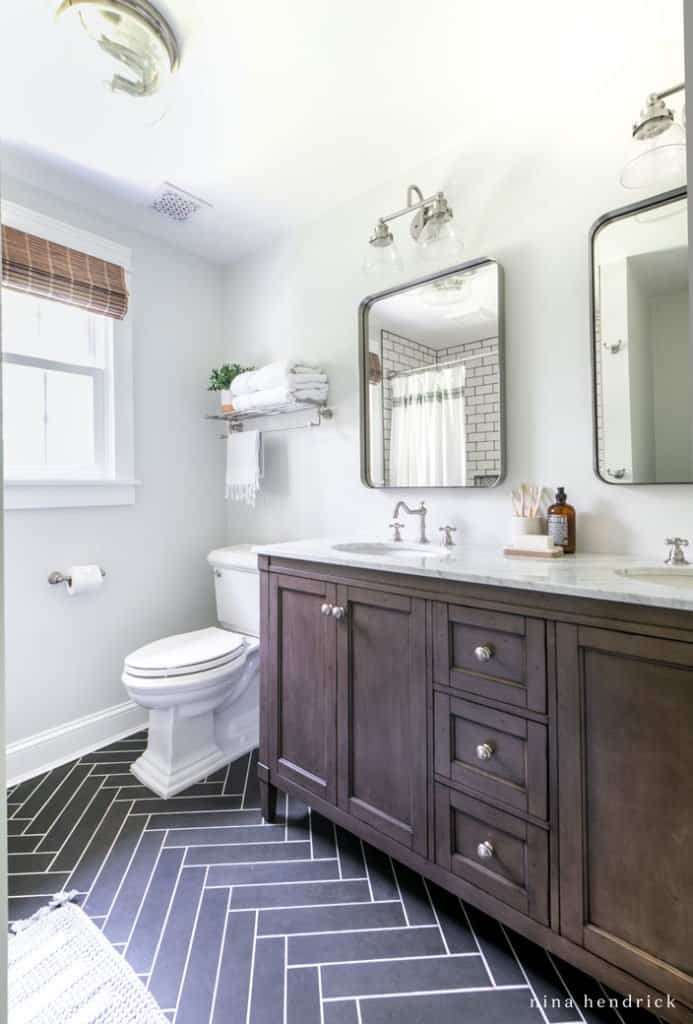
<point x="561" y="522"/>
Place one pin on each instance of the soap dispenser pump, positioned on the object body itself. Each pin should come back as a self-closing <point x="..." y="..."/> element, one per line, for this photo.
<point x="561" y="522"/>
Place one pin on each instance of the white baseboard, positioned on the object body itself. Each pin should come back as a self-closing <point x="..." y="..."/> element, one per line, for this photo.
<point x="54" y="747"/>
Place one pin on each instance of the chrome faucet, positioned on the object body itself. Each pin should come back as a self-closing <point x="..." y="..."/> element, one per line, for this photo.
<point x="420" y="511"/>
<point x="676" y="555"/>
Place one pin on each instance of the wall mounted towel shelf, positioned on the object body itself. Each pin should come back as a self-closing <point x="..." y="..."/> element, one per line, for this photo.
<point x="238" y="421"/>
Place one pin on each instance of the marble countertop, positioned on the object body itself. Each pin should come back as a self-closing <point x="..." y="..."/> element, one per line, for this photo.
<point x="581" y="575"/>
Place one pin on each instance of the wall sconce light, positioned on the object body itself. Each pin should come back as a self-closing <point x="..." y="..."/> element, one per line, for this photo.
<point x="431" y="229"/>
<point x="659" y="151"/>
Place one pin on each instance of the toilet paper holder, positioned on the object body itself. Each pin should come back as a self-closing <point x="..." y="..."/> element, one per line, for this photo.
<point x="58" y="577"/>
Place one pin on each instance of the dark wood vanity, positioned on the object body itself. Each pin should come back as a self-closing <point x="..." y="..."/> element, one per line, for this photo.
<point x="532" y="753"/>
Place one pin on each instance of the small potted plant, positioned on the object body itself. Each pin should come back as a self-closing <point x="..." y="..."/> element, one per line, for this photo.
<point x="221" y="380"/>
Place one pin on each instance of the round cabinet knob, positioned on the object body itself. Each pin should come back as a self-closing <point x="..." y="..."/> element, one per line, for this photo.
<point x="484" y="751"/>
<point x="326" y="609"/>
<point x="484" y="652"/>
<point x="485" y="850"/>
<point x="338" y="612"/>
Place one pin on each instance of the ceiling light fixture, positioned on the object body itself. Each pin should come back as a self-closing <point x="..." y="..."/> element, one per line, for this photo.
<point x="659" y="150"/>
<point x="140" y="50"/>
<point x="431" y="229"/>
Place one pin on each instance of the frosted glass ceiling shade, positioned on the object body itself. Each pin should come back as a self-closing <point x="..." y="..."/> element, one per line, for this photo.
<point x="657" y="162"/>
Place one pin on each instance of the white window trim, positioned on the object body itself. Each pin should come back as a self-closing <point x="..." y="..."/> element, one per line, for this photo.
<point x="119" y="489"/>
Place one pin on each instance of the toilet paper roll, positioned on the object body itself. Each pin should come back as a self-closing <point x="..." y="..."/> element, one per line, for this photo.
<point x="83" y="578"/>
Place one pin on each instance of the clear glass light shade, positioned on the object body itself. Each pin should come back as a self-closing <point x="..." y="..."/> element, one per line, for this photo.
<point x="438" y="242"/>
<point x="657" y="163"/>
<point x="382" y="259"/>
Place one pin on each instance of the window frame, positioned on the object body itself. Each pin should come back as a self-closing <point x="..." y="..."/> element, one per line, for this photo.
<point x="114" y="483"/>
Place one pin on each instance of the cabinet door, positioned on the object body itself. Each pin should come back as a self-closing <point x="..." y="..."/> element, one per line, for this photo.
<point x="302" y="685"/>
<point x="625" y="719"/>
<point x="381" y="656"/>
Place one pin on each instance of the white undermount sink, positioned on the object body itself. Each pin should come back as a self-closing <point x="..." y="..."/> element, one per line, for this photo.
<point x="382" y="548"/>
<point x="669" y="576"/>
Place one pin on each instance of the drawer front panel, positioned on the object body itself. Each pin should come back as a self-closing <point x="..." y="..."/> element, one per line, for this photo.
<point x="500" y="755"/>
<point x="496" y="852"/>
<point x="491" y="654"/>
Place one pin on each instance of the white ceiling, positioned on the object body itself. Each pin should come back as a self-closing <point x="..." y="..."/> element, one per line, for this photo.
<point x="282" y="110"/>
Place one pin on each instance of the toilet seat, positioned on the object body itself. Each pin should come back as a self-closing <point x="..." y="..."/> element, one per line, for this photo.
<point x="187" y="654"/>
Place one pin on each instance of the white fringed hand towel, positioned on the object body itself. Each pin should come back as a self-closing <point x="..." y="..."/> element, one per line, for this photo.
<point x="273" y="375"/>
<point x="244" y="466"/>
<point x="279" y="396"/>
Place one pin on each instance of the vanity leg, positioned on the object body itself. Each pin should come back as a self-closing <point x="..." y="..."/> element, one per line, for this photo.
<point x="268" y="801"/>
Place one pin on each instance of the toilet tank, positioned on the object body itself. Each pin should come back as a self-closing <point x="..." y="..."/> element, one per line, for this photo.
<point x="237" y="588"/>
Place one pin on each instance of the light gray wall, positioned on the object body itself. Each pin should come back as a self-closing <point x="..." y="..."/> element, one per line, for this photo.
<point x="64" y="655"/>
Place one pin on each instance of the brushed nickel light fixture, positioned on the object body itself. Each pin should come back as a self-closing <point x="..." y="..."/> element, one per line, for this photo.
<point x="138" y="45"/>
<point x="659" y="149"/>
<point x="431" y="229"/>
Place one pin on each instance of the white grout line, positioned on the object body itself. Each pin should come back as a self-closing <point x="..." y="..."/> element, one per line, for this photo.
<point x="424" y="992"/>
<point x="435" y="914"/>
<point x="215" y="991"/>
<point x="39" y="782"/>
<point x="404" y="909"/>
<point x="252" y="972"/>
<point x="76" y="765"/>
<point x="384" y="959"/>
<point x="124" y="876"/>
<point x="368" y="874"/>
<point x="286" y="980"/>
<point x="247" y="775"/>
<point x="320" y="999"/>
<point x="164" y="926"/>
<point x="191" y="942"/>
<point x="358" y="1012"/>
<point x="338" y="852"/>
<point x="69" y="836"/>
<point x="291" y="881"/>
<point x="524" y="975"/>
<point x="252" y="842"/>
<point x="608" y="1003"/>
<point x="565" y="986"/>
<point x="246" y="863"/>
<point x="478" y="944"/>
<point x="105" y="860"/>
<point x="347" y="931"/>
<point x="311" y="906"/>
<point x="310" y="833"/>
<point x="286" y="816"/>
<point x="144" y="895"/>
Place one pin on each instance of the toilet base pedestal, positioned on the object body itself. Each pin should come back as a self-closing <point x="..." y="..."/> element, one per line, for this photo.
<point x="181" y="751"/>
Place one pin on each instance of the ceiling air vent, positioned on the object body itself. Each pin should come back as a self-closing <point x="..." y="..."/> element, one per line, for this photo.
<point x="177" y="204"/>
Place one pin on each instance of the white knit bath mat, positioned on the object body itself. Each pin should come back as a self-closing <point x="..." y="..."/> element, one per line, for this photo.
<point x="63" y="971"/>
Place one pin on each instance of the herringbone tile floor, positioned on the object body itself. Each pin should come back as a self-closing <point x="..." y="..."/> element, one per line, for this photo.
<point x="231" y="921"/>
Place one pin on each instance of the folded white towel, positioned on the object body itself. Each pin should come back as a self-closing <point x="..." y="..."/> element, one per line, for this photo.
<point x="244" y="466"/>
<point x="272" y="375"/>
<point x="278" y="396"/>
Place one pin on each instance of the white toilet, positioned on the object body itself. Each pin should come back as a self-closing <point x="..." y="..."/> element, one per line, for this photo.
<point x="202" y="688"/>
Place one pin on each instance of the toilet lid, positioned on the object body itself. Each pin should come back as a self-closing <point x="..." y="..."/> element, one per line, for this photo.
<point x="186" y="653"/>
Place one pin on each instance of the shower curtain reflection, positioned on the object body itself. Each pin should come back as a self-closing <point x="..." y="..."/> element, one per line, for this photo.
<point x="427" y="447"/>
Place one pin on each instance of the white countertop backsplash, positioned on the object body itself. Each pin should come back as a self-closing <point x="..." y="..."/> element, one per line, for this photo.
<point x="580" y="575"/>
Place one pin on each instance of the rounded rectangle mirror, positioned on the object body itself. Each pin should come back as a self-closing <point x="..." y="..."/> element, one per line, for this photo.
<point x="432" y="381"/>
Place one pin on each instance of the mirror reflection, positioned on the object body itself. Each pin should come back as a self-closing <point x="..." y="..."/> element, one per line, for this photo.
<point x="643" y="366"/>
<point x="432" y="415"/>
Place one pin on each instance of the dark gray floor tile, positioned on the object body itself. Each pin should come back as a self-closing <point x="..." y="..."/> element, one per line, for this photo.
<point x="16" y="826"/>
<point x="399" y="976"/>
<point x="57" y="806"/>
<point x="109" y="767"/>
<point x="119" y="780"/>
<point x="197" y="993"/>
<point x="167" y="974"/>
<point x="185" y="803"/>
<point x="128" y="901"/>
<point x="244" y="853"/>
<point x="299" y="894"/>
<point x="452" y="921"/>
<point x="495" y="947"/>
<point x="493" y="1007"/>
<point x="236" y="776"/>
<point x="202" y="819"/>
<point x="41" y="884"/>
<point x="545" y="983"/>
<point x="302" y="996"/>
<point x="104" y="837"/>
<point x="231" y="1002"/>
<point x="133" y="744"/>
<point x="66" y="821"/>
<point x="267" y="994"/>
<point x="297" y="819"/>
<point x="50" y="784"/>
<point x="251" y="797"/>
<point x="23" y="791"/>
<point x="350" y="855"/>
<point x="587" y="993"/>
<point x="22" y="844"/>
<point x="323" y="836"/>
<point x="365" y="945"/>
<point x="114" y="867"/>
<point x="24" y="863"/>
<point x="145" y="937"/>
<point x="414" y="896"/>
<point x="326" y="919"/>
<point x="109" y="756"/>
<point x="19" y="908"/>
<point x="344" y="1012"/>
<point x="380" y="873"/>
<point x="82" y="833"/>
<point x="240" y="834"/>
<point x="261" y="874"/>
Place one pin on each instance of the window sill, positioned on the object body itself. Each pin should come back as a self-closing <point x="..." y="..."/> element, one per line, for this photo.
<point x="85" y="493"/>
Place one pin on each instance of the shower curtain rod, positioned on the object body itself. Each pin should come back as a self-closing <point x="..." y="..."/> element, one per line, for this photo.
<point x="443" y="366"/>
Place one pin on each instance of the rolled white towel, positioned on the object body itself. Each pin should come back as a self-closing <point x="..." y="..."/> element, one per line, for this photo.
<point x="277" y="396"/>
<point x="272" y="375"/>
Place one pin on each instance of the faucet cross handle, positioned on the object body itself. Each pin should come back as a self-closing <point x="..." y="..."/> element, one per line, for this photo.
<point x="446" y="540"/>
<point x="397" y="527"/>
<point x="676" y="555"/>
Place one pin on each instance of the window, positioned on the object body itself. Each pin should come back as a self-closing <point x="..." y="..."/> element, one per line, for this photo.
<point x="66" y="387"/>
<point x="57" y="390"/>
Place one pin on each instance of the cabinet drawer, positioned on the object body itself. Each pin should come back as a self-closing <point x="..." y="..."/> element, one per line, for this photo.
<point x="491" y="654"/>
<point x="496" y="753"/>
<point x="498" y="853"/>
